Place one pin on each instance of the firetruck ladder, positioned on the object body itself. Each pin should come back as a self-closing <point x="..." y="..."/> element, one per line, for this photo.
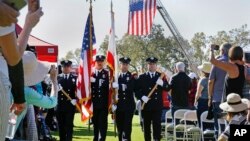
<point x="184" y="47"/>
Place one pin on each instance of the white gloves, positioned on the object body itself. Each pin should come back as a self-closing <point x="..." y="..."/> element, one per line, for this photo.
<point x="124" y="86"/>
<point x="114" y="107"/>
<point x="92" y="79"/>
<point x="159" y="82"/>
<point x="145" y="99"/>
<point x="115" y="85"/>
<point x="73" y="102"/>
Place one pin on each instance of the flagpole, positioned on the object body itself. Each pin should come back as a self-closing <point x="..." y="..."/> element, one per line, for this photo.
<point x="90" y="46"/>
<point x="115" y="75"/>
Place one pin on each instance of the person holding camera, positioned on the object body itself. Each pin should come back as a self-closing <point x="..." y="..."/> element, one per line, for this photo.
<point x="235" y="69"/>
<point x="216" y="84"/>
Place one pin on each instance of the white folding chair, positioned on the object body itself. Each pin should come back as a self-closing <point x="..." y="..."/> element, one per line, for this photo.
<point x="169" y="127"/>
<point x="179" y="128"/>
<point x="221" y="123"/>
<point x="191" y="131"/>
<point x="206" y="131"/>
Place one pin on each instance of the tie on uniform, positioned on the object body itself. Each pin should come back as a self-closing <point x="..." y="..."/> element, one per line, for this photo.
<point x="152" y="75"/>
<point x="97" y="73"/>
<point x="65" y="76"/>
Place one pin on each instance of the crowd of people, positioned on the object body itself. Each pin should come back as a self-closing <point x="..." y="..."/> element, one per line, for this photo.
<point x="222" y="86"/>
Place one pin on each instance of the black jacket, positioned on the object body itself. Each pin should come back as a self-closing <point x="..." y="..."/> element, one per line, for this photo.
<point x="180" y="84"/>
<point x="69" y="86"/>
<point x="126" y="100"/>
<point x="100" y="90"/>
<point x="143" y="87"/>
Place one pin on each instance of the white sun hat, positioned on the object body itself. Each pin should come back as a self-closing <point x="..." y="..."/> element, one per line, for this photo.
<point x="192" y="75"/>
<point x="234" y="103"/>
<point x="34" y="70"/>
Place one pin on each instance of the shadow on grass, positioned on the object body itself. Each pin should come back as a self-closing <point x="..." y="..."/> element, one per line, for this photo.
<point x="80" y="132"/>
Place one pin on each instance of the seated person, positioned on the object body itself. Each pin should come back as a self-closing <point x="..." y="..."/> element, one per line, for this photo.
<point x="236" y="109"/>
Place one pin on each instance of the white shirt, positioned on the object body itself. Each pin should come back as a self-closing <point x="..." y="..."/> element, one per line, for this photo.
<point x="151" y="74"/>
<point x="97" y="72"/>
<point x="123" y="74"/>
<point x="66" y="75"/>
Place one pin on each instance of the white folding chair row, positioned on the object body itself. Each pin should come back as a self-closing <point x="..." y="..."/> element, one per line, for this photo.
<point x="169" y="127"/>
<point x="205" y="120"/>
<point x="179" y="129"/>
<point x="187" y="132"/>
<point x="221" y="122"/>
<point x="191" y="132"/>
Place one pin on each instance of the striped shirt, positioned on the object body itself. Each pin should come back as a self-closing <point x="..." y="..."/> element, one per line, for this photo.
<point x="236" y="120"/>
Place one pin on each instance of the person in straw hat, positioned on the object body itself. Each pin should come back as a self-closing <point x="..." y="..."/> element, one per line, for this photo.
<point x="201" y="97"/>
<point x="34" y="72"/>
<point x="236" y="109"/>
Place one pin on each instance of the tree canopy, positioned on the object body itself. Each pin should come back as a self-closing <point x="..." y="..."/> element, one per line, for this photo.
<point x="138" y="48"/>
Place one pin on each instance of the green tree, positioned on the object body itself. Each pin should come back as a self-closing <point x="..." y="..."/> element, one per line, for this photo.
<point x="238" y="36"/>
<point x="198" y="42"/>
<point x="73" y="56"/>
<point x="138" y="48"/>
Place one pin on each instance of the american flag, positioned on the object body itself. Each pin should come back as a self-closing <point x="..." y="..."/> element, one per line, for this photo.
<point x="141" y="16"/>
<point x="83" y="84"/>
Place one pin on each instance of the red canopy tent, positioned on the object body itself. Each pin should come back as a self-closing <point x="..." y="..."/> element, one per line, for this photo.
<point x="45" y="51"/>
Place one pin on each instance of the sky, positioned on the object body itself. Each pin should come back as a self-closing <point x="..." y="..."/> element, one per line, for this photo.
<point x="64" y="21"/>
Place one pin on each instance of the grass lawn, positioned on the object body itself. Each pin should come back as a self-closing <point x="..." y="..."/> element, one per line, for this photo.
<point x="81" y="132"/>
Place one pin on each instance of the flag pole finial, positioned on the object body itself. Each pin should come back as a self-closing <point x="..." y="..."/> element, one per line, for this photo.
<point x="111" y="6"/>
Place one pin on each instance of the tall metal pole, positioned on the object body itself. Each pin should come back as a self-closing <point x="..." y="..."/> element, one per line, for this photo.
<point x="90" y="45"/>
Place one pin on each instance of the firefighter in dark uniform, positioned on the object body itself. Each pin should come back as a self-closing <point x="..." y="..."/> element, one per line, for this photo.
<point x="126" y="103"/>
<point x="99" y="95"/>
<point x="66" y="108"/>
<point x="153" y="105"/>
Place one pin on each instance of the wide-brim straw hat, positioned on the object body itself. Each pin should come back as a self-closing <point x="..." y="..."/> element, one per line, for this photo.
<point x="234" y="103"/>
<point x="205" y="67"/>
<point x="34" y="70"/>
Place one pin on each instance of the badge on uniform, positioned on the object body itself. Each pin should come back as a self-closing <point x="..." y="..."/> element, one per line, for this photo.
<point x="103" y="76"/>
<point x="73" y="80"/>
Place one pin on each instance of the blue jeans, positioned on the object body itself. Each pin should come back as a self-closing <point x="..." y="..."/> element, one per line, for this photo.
<point x="201" y="107"/>
<point x="216" y="111"/>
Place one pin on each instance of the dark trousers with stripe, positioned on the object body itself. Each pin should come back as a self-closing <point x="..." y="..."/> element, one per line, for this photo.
<point x="153" y="117"/>
<point x="124" y="124"/>
<point x="100" y="122"/>
<point x="65" y="123"/>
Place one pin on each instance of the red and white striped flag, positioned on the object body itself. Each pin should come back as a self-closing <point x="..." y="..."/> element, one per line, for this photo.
<point x="112" y="56"/>
<point x="83" y="84"/>
<point x="141" y="16"/>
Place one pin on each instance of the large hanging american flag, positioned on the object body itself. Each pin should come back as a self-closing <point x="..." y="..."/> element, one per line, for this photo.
<point x="141" y="16"/>
<point x="83" y="84"/>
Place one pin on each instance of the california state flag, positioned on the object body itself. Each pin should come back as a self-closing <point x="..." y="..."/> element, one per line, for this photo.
<point x="112" y="56"/>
